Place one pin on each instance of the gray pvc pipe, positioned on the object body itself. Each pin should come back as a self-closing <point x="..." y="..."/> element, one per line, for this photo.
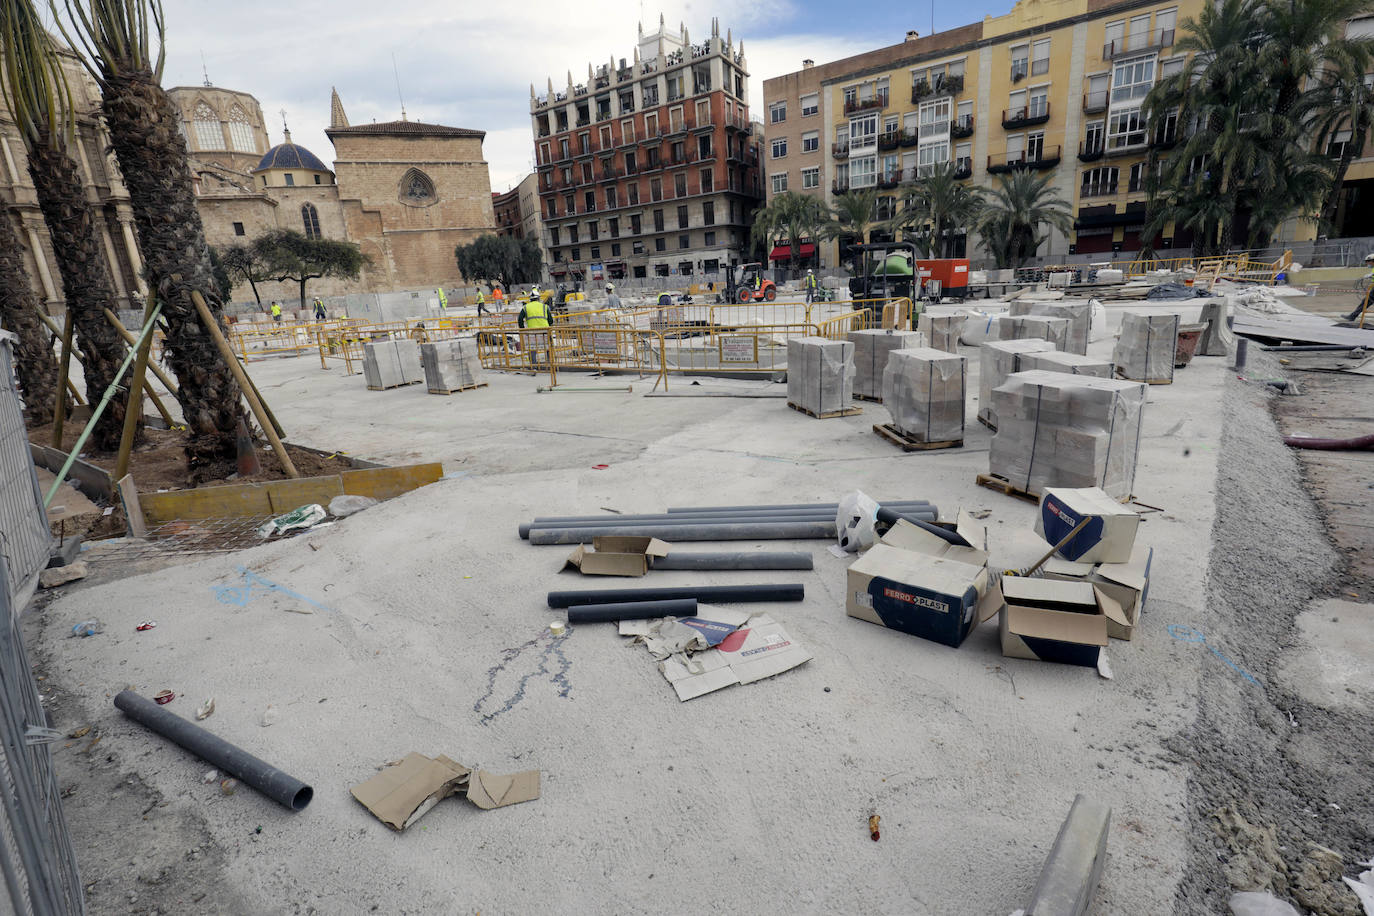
<point x="632" y="610"/>
<point x="612" y="517"/>
<point x="690" y="521"/>
<point x="725" y="560"/>
<point x="283" y="789"/>
<point x="890" y="516"/>
<point x="677" y="510"/>
<point x="718" y="594"/>
<point x="752" y="531"/>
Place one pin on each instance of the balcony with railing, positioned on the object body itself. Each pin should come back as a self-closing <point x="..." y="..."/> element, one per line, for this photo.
<point x="1098" y="189"/>
<point x="1029" y="116"/>
<point x="610" y="174"/>
<point x="1133" y="44"/>
<point x="961" y="127"/>
<point x="890" y="179"/>
<point x="963" y="167"/>
<point x="1165" y="136"/>
<point x="1094" y="102"/>
<point x="1091" y="150"/>
<point x="874" y="102"/>
<point x="840" y="186"/>
<point x="1046" y="158"/>
<point x="839" y="150"/>
<point x="889" y="140"/>
<point x="738" y="122"/>
<point x="910" y="137"/>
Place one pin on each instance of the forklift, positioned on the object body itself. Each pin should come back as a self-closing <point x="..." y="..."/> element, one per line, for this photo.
<point x="744" y="291"/>
<point x="882" y="271"/>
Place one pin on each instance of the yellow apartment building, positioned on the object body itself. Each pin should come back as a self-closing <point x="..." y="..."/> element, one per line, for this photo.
<point x="1054" y="86"/>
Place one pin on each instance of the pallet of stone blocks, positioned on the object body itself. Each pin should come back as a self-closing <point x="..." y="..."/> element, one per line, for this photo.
<point x="999" y="359"/>
<point x="941" y="331"/>
<point x="871" y="349"/>
<point x="1146" y="348"/>
<point x="451" y="365"/>
<point x="391" y="363"/>
<point x="1058" y="430"/>
<point x="1079" y="315"/>
<point x="1070" y="363"/>
<point x="820" y="377"/>
<point x="1033" y="327"/>
<point x="925" y="391"/>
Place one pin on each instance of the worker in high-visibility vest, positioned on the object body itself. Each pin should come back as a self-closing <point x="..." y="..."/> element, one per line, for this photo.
<point x="443" y="298"/>
<point x="497" y="296"/>
<point x="481" y="302"/>
<point x="276" y="312"/>
<point x="533" y="316"/>
<point x="810" y="286"/>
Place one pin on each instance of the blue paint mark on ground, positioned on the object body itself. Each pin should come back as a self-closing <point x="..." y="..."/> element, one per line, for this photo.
<point x="253" y="586"/>
<point x="551" y="662"/>
<point x="1188" y="634"/>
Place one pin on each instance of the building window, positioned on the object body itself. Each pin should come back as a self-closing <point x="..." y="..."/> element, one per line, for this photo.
<point x="658" y="220"/>
<point x="777" y="112"/>
<point x="682" y="216"/>
<point x="661" y="244"/>
<point x="572" y="235"/>
<point x="704" y="146"/>
<point x="863" y="132"/>
<point x="290" y="180"/>
<point x="627" y="129"/>
<point x="605" y="137"/>
<point x="811" y="178"/>
<point x="649" y="91"/>
<point x="811" y="141"/>
<point x="1132" y="79"/>
<point x="613" y="224"/>
<point x="317" y="178"/>
<point x="1039" y="102"/>
<point x="651" y="125"/>
<point x="1020" y="62"/>
<point x="1035" y="146"/>
<point x="684" y="240"/>
<point x="660" y="270"/>
<point x="615" y="249"/>
<point x="238" y="228"/>
<point x="1040" y="57"/>
<point x="207" y="129"/>
<point x="863" y="172"/>
<point x="810" y="104"/>
<point x="707" y="181"/>
<point x="593" y="230"/>
<point x="632" y="194"/>
<point x="680" y="184"/>
<point x="779" y="182"/>
<point x="708" y="239"/>
<point x="1093" y="135"/>
<point x="417" y="190"/>
<point x="1125" y="127"/>
<point x="779" y="147"/>
<point x="575" y="254"/>
<point x="241" y="132"/>
<point x="708" y="213"/>
<point x="589" y="201"/>
<point x="703" y="112"/>
<point x="596" y="253"/>
<point x="310" y="217"/>
<point x="569" y="204"/>
<point x="655" y="189"/>
<point x="553" y="234"/>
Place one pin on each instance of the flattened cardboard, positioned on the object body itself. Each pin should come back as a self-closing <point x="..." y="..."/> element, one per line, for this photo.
<point x="1055" y="621"/>
<point x="493" y="790"/>
<point x="1126" y="584"/>
<point x="759" y="649"/>
<point x="907" y="536"/>
<point x="932" y="597"/>
<point x="400" y="795"/>
<point x="1109" y="536"/>
<point x="617" y="556"/>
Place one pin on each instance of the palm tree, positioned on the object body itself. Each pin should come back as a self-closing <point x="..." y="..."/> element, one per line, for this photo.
<point x="852" y="216"/>
<point x="791" y="216"/>
<point x="1300" y="38"/>
<point x="937" y="205"/>
<point x="1338" y="101"/>
<point x="1016" y="210"/>
<point x="35" y="363"/>
<point x="35" y="88"/>
<point x="124" y="41"/>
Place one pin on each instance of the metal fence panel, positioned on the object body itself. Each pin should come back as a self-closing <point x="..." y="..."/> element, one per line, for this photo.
<point x="25" y="541"/>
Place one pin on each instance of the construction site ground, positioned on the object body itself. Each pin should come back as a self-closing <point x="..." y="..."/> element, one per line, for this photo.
<point x="428" y="631"/>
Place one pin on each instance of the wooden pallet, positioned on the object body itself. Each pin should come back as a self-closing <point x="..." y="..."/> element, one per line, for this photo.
<point x="846" y="412"/>
<point x="389" y="387"/>
<point x="866" y="397"/>
<point x="907" y="444"/>
<point x="455" y="390"/>
<point x="1001" y="484"/>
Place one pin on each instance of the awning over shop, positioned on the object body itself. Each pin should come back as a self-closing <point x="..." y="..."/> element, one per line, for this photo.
<point x="784" y="252"/>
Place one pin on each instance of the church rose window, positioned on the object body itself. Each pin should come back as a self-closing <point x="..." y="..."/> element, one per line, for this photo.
<point x="417" y="189"/>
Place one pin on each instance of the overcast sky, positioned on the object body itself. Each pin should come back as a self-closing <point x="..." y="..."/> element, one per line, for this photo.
<point x="469" y="65"/>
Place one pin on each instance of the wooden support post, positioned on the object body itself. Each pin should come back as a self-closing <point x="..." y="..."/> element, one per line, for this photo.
<point x="227" y="354"/>
<point x="133" y="407"/>
<point x="60" y="414"/>
<point x="129" y="339"/>
<point x="270" y="415"/>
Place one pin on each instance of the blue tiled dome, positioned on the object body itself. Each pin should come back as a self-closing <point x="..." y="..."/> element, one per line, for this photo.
<point x="290" y="156"/>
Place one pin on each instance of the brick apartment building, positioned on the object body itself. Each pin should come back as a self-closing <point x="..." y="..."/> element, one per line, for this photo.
<point x="650" y="168"/>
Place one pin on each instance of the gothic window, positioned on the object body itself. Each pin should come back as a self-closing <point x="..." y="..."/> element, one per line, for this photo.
<point x="240" y="131"/>
<point x="417" y="189"/>
<point x="311" y="218"/>
<point x="207" y="129"/>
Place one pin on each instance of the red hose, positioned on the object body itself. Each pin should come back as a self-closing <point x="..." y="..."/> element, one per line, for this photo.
<point x="1358" y="443"/>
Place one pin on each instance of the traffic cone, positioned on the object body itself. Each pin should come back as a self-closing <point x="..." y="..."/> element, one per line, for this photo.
<point x="248" y="453"/>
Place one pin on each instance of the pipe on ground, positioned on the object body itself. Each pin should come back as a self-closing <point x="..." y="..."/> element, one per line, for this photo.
<point x="632" y="610"/>
<point x="633" y="525"/>
<point x="283" y="789"/>
<point x="675" y="510"/>
<point x="718" y="594"/>
<point x="891" y="517"/>
<point x="787" y="559"/>
<point x="1355" y="444"/>
<point x="539" y="520"/>
<point x="725" y="531"/>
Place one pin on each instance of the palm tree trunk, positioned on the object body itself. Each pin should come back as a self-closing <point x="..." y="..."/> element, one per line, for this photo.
<point x="152" y="157"/>
<point x="35" y="363"/>
<point x="85" y="278"/>
<point x="1333" y="200"/>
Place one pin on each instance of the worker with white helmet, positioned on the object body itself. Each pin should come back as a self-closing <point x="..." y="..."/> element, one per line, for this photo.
<point x="612" y="300"/>
<point x="810" y="285"/>
<point x="1368" y="286"/>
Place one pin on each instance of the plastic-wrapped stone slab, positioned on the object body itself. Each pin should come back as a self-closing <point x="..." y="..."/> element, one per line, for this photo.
<point x="871" y="349"/>
<point x="820" y="374"/>
<point x="1146" y="348"/>
<point x="941" y="331"/>
<point x="925" y="390"/>
<point x="1069" y="363"/>
<point x="999" y="359"/>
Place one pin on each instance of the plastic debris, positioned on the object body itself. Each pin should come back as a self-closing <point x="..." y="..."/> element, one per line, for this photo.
<point x="146" y="625"/>
<point x="557" y="628"/>
<point x="873" y="827"/>
<point x="1259" y="903"/>
<point x="210" y="776"/>
<point x="269" y="716"/>
<point x="348" y="504"/>
<point x="228" y="787"/>
<point x="203" y="711"/>
<point x="1364" y="889"/>
<point x="855" y="520"/>
<point x="88" y="628"/>
<point x="299" y="518"/>
<point x="163" y="697"/>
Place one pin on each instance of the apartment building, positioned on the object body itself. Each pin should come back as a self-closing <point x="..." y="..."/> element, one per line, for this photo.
<point x="1054" y="86"/>
<point x="650" y="168"/>
<point x="1354" y="210"/>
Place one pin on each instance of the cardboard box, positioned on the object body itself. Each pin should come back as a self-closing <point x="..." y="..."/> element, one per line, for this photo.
<point x="913" y="537"/>
<point x="1055" y="621"/>
<point x="933" y="597"/>
<point x="1128" y="584"/>
<point x="1109" y="536"/>
<point x="617" y="556"/>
